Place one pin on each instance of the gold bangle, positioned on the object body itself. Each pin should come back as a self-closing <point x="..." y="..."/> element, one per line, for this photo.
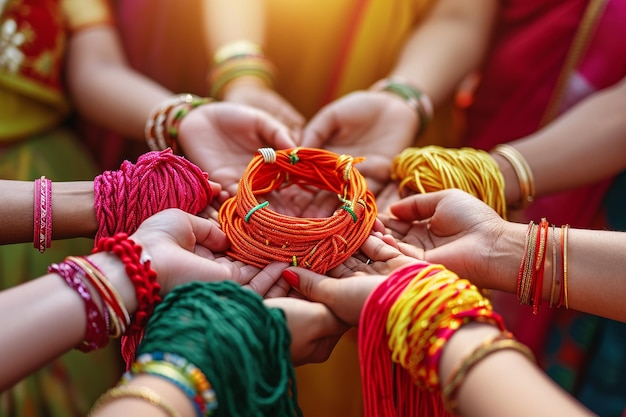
<point x="523" y="172"/>
<point x="491" y="345"/>
<point x="565" y="231"/>
<point x="130" y="391"/>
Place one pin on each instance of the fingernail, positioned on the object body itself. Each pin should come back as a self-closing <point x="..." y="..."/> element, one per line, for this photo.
<point x="291" y="278"/>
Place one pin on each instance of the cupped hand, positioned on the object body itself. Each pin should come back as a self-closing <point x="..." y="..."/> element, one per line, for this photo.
<point x="372" y="124"/>
<point x="314" y="329"/>
<point x="454" y="228"/>
<point x="247" y="91"/>
<point x="183" y="247"/>
<point x="221" y="138"/>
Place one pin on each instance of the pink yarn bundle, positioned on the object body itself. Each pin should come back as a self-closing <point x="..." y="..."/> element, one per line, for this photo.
<point x="158" y="181"/>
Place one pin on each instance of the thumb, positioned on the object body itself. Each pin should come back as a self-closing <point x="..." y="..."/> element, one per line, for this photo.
<point x="320" y="129"/>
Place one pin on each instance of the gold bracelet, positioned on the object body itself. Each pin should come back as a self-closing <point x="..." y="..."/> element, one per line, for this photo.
<point x="523" y="172"/>
<point x="491" y="345"/>
<point x="130" y="391"/>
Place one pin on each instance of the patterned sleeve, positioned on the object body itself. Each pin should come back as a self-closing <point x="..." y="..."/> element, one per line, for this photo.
<point x="85" y="13"/>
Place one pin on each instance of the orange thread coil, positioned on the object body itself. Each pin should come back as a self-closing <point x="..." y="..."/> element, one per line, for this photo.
<point x="260" y="235"/>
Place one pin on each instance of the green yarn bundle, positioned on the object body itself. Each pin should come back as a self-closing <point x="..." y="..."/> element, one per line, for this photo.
<point x="241" y="345"/>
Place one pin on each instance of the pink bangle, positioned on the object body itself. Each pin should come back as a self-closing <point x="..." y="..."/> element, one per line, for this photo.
<point x="42" y="214"/>
<point x="96" y="331"/>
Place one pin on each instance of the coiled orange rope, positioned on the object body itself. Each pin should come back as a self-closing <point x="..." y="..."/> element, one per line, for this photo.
<point x="260" y="235"/>
<point x="433" y="168"/>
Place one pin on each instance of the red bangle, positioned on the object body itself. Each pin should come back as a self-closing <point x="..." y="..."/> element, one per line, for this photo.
<point x="139" y="272"/>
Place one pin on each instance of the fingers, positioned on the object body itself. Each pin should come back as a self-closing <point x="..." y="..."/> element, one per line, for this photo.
<point x="320" y="129"/>
<point x="266" y="278"/>
<point x="274" y="133"/>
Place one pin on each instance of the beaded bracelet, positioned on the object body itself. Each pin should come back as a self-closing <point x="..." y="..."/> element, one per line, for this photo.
<point x="96" y="334"/>
<point x="129" y="391"/>
<point x="491" y="345"/>
<point x="139" y="272"/>
<point x="180" y="372"/>
<point x="42" y="214"/>
<point x="413" y="96"/>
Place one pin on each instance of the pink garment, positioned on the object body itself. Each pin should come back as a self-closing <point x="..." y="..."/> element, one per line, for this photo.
<point x="532" y="43"/>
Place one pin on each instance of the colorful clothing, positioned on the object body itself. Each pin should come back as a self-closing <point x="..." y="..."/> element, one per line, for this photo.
<point x="322" y="49"/>
<point x="34" y="142"/>
<point x="532" y="43"/>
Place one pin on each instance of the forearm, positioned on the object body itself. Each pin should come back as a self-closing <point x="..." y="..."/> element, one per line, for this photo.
<point x="595" y="267"/>
<point x="504" y="382"/>
<point x="446" y="46"/>
<point x="44" y="318"/>
<point x="231" y="20"/>
<point x="591" y="137"/>
<point x="104" y="88"/>
<point x="73" y="213"/>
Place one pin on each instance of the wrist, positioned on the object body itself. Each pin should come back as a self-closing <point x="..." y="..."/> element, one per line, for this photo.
<point x="74" y="200"/>
<point x="413" y="96"/>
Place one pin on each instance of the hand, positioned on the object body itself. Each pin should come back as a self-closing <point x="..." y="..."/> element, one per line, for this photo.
<point x="187" y="248"/>
<point x="345" y="297"/>
<point x="221" y="138"/>
<point x="244" y="90"/>
<point x="314" y="329"/>
<point x="379" y="255"/>
<point x="376" y="125"/>
<point x="455" y="229"/>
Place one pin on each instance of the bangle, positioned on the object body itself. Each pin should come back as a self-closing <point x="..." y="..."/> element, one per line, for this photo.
<point x="42" y="214"/>
<point x="161" y="130"/>
<point x="235" y="49"/>
<point x="413" y="96"/>
<point x="240" y="58"/>
<point x="118" y="315"/>
<point x="491" y="345"/>
<point x="523" y="172"/>
<point x="129" y="391"/>
<point x="96" y="334"/>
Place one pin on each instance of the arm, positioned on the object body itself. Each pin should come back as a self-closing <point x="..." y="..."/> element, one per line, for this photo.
<point x="44" y="318"/>
<point x="72" y="200"/>
<point x="468" y="237"/>
<point x="104" y="88"/>
<point x="595" y="127"/>
<point x="446" y="46"/>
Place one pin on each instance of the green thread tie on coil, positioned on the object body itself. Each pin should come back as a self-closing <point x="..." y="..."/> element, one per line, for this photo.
<point x="293" y="157"/>
<point x="294" y="260"/>
<point x="253" y="209"/>
<point x="352" y="213"/>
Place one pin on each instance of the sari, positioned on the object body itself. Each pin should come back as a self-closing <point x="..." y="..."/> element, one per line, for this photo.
<point x="322" y="50"/>
<point x="36" y="140"/>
